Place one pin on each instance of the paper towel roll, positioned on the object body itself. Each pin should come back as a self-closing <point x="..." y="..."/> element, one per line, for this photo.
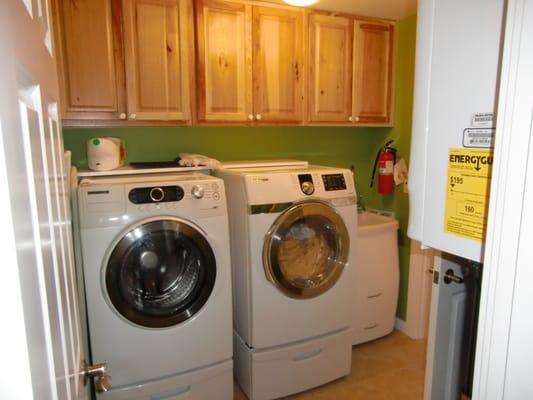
<point x="400" y="173"/>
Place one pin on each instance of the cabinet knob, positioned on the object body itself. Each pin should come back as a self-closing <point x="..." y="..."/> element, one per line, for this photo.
<point x="258" y="117"/>
<point x="251" y="117"/>
<point x="356" y="119"/>
<point x="133" y="116"/>
<point x="122" y="115"/>
<point x="350" y="118"/>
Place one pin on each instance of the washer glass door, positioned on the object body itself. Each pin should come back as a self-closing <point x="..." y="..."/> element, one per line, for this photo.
<point x="160" y="273"/>
<point x="306" y="249"/>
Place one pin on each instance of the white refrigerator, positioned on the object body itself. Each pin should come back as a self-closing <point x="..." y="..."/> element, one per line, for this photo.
<point x="456" y="81"/>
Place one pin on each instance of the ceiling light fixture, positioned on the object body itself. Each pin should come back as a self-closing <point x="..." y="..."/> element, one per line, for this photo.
<point x="300" y="3"/>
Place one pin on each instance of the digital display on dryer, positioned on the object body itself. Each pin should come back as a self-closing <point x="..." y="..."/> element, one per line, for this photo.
<point x="334" y="182"/>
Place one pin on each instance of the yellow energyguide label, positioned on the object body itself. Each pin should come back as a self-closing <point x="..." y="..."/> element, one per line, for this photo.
<point x="467" y="193"/>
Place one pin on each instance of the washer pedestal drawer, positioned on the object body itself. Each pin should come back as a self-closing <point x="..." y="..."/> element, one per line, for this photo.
<point x="284" y="370"/>
<point x="214" y="383"/>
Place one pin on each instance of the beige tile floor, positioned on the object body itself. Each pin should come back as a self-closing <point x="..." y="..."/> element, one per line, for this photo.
<point x="390" y="368"/>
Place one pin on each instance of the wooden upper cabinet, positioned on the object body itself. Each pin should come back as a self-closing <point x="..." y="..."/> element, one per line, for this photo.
<point x="135" y="60"/>
<point x="373" y="72"/>
<point x="330" y="68"/>
<point x="224" y="61"/>
<point x="91" y="64"/>
<point x="277" y="64"/>
<point x="158" y="59"/>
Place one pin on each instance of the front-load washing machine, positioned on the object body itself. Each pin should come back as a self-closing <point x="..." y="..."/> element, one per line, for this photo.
<point x="293" y="232"/>
<point x="156" y="264"/>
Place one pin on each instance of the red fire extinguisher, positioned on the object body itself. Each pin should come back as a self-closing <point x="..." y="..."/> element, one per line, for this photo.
<point x="385" y="160"/>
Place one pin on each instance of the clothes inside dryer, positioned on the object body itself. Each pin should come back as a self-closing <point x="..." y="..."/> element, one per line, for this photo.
<point x="306" y="249"/>
<point x="306" y="252"/>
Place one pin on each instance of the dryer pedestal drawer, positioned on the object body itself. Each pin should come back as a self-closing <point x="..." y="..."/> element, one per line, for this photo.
<point x="213" y="383"/>
<point x="284" y="370"/>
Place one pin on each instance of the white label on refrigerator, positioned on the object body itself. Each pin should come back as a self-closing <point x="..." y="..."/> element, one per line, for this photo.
<point x="483" y="119"/>
<point x="478" y="137"/>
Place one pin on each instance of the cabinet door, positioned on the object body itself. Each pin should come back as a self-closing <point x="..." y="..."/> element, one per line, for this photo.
<point x="373" y="71"/>
<point x="224" y="61"/>
<point x="330" y="64"/>
<point x="91" y="64"/>
<point x="158" y="58"/>
<point x="277" y="64"/>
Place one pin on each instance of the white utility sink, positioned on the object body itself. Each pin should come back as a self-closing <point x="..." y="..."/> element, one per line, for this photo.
<point x="377" y="277"/>
<point x="371" y="222"/>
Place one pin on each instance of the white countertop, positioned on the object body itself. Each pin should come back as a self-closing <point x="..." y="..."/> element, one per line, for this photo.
<point x="129" y="170"/>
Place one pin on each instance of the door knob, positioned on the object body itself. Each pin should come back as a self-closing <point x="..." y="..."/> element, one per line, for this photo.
<point x="449" y="276"/>
<point x="102" y="381"/>
<point x="103" y="384"/>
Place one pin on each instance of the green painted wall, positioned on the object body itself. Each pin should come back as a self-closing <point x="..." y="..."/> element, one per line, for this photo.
<point x="401" y="133"/>
<point x="337" y="146"/>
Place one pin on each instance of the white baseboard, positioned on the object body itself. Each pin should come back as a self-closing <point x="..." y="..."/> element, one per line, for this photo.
<point x="407" y="329"/>
<point x="401" y="326"/>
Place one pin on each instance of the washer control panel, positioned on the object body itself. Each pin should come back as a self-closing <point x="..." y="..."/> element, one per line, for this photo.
<point x="156" y="194"/>
<point x="105" y="201"/>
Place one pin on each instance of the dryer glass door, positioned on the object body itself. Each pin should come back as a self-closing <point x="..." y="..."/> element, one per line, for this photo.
<point x="306" y="249"/>
<point x="160" y="273"/>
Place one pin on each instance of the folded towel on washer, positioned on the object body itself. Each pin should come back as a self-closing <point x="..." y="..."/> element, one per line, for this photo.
<point x="197" y="160"/>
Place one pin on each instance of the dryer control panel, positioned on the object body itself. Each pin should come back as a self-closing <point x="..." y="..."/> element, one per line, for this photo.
<point x="282" y="186"/>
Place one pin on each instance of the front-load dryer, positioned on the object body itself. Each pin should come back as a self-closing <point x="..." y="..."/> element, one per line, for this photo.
<point x="293" y="232"/>
<point x="156" y="265"/>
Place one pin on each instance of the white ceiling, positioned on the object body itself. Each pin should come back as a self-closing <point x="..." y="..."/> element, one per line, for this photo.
<point x="391" y="9"/>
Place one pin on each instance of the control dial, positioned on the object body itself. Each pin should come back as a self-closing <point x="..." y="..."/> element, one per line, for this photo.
<point x="197" y="192"/>
<point x="308" y="188"/>
<point x="157" y="194"/>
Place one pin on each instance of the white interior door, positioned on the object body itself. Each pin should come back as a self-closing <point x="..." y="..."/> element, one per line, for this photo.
<point x="505" y="350"/>
<point x="45" y="343"/>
